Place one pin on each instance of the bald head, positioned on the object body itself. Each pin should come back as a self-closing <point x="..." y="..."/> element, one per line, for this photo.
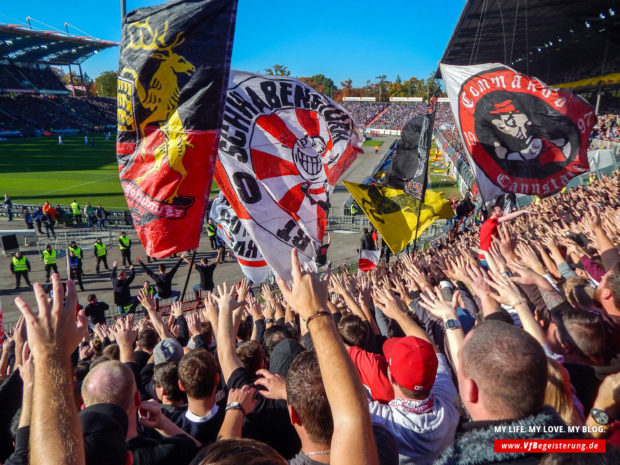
<point x="109" y="383"/>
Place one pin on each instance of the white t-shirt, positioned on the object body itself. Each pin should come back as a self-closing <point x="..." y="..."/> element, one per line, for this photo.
<point x="422" y="428"/>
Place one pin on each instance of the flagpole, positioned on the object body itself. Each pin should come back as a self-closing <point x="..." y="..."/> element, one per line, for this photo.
<point x="431" y="111"/>
<point x="189" y="272"/>
<point x="123" y="11"/>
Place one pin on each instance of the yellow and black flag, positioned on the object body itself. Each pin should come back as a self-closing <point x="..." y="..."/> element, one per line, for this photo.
<point x="174" y="66"/>
<point x="394" y="213"/>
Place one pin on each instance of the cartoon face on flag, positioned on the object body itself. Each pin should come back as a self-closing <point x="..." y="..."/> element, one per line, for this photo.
<point x="232" y="231"/>
<point x="283" y="148"/>
<point x="521" y="135"/>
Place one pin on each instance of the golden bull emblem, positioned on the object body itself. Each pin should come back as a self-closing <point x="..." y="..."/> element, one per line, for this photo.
<point x="161" y="98"/>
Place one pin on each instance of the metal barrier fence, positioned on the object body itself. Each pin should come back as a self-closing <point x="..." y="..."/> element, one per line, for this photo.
<point x="85" y="238"/>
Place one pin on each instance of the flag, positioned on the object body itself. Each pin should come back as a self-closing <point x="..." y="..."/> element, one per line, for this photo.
<point x="409" y="168"/>
<point x="368" y="259"/>
<point x="284" y="146"/>
<point x="174" y="65"/>
<point x="234" y="234"/>
<point x="394" y="214"/>
<point x="521" y="135"/>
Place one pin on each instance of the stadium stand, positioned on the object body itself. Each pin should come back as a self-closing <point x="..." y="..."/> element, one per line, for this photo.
<point x="32" y="115"/>
<point x="397" y="115"/>
<point x="364" y="112"/>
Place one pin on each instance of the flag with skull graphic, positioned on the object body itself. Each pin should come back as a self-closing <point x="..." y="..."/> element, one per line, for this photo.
<point x="283" y="147"/>
<point x="521" y="135"/>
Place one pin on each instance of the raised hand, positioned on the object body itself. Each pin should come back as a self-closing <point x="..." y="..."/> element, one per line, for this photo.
<point x="54" y="329"/>
<point x="243" y="287"/>
<point x="506" y="292"/>
<point x="147" y="300"/>
<point x="193" y="323"/>
<point x="389" y="304"/>
<point x="434" y="302"/>
<point x="225" y="298"/>
<point x="307" y="294"/>
<point x="177" y="309"/>
<point x="528" y="257"/>
<point x="274" y="385"/>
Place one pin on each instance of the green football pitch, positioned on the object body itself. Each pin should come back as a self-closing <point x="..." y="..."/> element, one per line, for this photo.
<point x="38" y="169"/>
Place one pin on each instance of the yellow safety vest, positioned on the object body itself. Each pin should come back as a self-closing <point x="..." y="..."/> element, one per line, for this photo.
<point x="76" y="208"/>
<point x="49" y="258"/>
<point x="211" y="228"/>
<point x="100" y="249"/>
<point x="19" y="264"/>
<point x="77" y="251"/>
<point x="124" y="242"/>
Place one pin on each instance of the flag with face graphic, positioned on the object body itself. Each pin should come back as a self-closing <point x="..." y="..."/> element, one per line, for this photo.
<point x="521" y="135"/>
<point x="283" y="148"/>
<point x="174" y="64"/>
<point x="237" y="239"/>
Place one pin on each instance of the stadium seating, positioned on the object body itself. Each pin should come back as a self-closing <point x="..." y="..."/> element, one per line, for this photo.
<point x="364" y="112"/>
<point x="34" y="114"/>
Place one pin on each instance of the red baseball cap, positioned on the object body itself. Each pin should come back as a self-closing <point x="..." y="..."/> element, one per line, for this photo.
<point x="412" y="361"/>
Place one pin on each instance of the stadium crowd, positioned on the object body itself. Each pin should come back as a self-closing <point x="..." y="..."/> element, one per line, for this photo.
<point x="33" y="115"/>
<point x="607" y="127"/>
<point x="397" y="115"/>
<point x="29" y="77"/>
<point x="364" y="112"/>
<point x="426" y="359"/>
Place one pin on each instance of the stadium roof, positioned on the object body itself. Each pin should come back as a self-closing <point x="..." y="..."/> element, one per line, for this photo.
<point x="542" y="38"/>
<point x="20" y="44"/>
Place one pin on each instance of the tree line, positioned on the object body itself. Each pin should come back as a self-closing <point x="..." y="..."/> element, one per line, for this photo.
<point x="381" y="88"/>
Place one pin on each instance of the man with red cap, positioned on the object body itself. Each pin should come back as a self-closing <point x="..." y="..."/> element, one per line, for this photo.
<point x="423" y="415"/>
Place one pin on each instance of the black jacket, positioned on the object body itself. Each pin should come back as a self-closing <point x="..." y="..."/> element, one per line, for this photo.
<point x="475" y="446"/>
<point x="122" y="295"/>
<point x="163" y="281"/>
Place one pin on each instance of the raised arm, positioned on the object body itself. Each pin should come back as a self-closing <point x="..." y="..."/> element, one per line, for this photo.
<point x="159" y="326"/>
<point x="512" y="216"/>
<point x="53" y="334"/>
<point x="226" y="340"/>
<point x="352" y="441"/>
<point x="393" y="308"/>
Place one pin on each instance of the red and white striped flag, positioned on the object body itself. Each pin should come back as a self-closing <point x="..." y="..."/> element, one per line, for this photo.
<point x="368" y="259"/>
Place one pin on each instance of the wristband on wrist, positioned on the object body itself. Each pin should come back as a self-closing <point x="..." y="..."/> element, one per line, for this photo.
<point x="235" y="406"/>
<point x="316" y="314"/>
<point x="268" y="320"/>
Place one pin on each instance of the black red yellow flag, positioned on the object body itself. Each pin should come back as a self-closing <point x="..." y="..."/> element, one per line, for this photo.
<point x="394" y="213"/>
<point x="174" y="65"/>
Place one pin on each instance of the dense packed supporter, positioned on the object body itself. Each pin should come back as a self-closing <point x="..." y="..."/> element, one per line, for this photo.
<point x="351" y="369"/>
<point x="33" y="115"/>
<point x="607" y="127"/>
<point x="32" y="77"/>
<point x="397" y="115"/>
<point x="364" y="112"/>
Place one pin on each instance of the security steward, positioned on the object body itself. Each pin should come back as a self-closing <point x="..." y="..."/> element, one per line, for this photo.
<point x="20" y="266"/>
<point x="49" y="260"/>
<point x="77" y="250"/>
<point x="211" y="231"/>
<point x="77" y="212"/>
<point x="124" y="244"/>
<point x="101" y="254"/>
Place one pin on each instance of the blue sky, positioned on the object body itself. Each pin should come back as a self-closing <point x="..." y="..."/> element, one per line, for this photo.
<point x="341" y="39"/>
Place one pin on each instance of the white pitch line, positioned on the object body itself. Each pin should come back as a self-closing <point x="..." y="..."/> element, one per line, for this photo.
<point x="74" y="186"/>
